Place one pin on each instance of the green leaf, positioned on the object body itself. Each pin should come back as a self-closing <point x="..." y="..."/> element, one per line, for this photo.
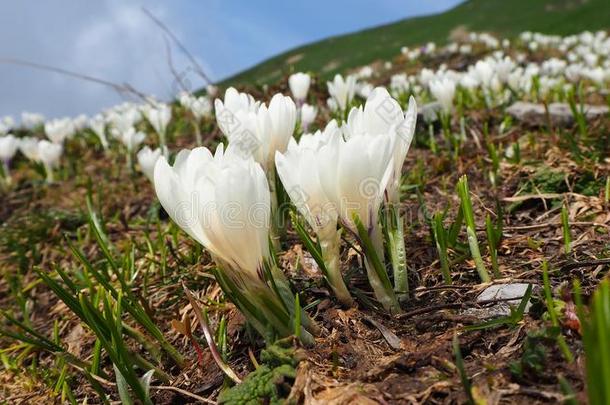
<point x="371" y="253"/>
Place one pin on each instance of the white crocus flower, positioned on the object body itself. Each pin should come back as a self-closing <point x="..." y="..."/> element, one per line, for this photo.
<point x="6" y="124"/>
<point x="49" y="154"/>
<point x="354" y="174"/>
<point x="342" y="90"/>
<point x="132" y="139"/>
<point x="382" y="115"/>
<point x="283" y="116"/>
<point x="316" y="140"/>
<point x="299" y="85"/>
<point x="59" y="130"/>
<point x="98" y="126"/>
<point x="484" y="72"/>
<point x="197" y="192"/>
<point x="223" y="202"/>
<point x="262" y="132"/>
<point x="147" y="158"/>
<point x="226" y="111"/>
<point x="80" y="122"/>
<point x="123" y="119"/>
<point x="29" y="147"/>
<point x="503" y="68"/>
<point x="31" y="120"/>
<point x="364" y="89"/>
<point x="201" y="107"/>
<point x="211" y="90"/>
<point x="308" y="116"/>
<point x="186" y="99"/>
<point x="443" y="90"/>
<point x="299" y="170"/>
<point x="8" y="148"/>
<point x="159" y="116"/>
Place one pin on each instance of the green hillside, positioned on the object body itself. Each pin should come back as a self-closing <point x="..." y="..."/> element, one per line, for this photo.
<point x="503" y="17"/>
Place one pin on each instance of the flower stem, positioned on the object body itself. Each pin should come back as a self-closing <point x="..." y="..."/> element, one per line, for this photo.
<point x="197" y="133"/>
<point x="329" y="244"/>
<point x="163" y="145"/>
<point x="7" y="173"/>
<point x="473" y="243"/>
<point x="275" y="231"/>
<point x="372" y="243"/>
<point x="398" y="254"/>
<point x="129" y="162"/>
<point x="49" y="170"/>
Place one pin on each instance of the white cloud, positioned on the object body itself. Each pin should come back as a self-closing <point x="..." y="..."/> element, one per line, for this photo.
<point x="112" y="40"/>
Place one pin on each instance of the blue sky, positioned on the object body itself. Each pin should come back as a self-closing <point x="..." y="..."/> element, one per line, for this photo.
<point x="114" y="40"/>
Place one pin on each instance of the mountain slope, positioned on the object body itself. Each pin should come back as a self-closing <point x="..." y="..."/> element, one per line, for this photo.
<point x="503" y="17"/>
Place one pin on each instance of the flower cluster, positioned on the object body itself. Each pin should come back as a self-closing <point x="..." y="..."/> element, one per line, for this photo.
<point x="334" y="164"/>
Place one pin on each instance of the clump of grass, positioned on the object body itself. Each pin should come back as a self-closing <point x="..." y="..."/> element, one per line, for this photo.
<point x="473" y="243"/>
<point x="494" y="236"/>
<point x="596" y="335"/>
<point x="102" y="305"/>
<point x="445" y="239"/>
<point x="459" y="363"/>
<point x="550" y="306"/>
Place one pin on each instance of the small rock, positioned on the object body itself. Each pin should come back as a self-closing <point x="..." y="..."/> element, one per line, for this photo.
<point x="499" y="292"/>
<point x="560" y="113"/>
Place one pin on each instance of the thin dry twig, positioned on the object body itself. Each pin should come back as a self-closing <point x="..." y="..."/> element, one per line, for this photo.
<point x="586" y="263"/>
<point x="183" y="392"/>
<point x="122" y="89"/>
<point x="208" y="336"/>
<point x="194" y="63"/>
<point x="172" y="68"/>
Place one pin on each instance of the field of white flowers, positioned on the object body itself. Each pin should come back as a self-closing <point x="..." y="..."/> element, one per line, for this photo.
<point x="430" y="229"/>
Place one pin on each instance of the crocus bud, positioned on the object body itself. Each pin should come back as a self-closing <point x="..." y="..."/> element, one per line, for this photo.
<point x="132" y="139"/>
<point x="308" y="115"/>
<point x="443" y="91"/>
<point x="49" y="154"/>
<point x="29" y="147"/>
<point x="31" y="120"/>
<point x="98" y="126"/>
<point x="342" y="90"/>
<point x="159" y="117"/>
<point x="8" y="147"/>
<point x="59" y="130"/>
<point x="147" y="158"/>
<point x="299" y="85"/>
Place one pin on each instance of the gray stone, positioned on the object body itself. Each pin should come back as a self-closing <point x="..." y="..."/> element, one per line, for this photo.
<point x="499" y="292"/>
<point x="560" y="113"/>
